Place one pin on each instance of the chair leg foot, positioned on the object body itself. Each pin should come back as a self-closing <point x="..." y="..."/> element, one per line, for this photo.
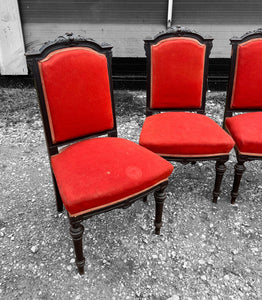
<point x="76" y="231"/>
<point x="220" y="170"/>
<point x="160" y="197"/>
<point x="239" y="170"/>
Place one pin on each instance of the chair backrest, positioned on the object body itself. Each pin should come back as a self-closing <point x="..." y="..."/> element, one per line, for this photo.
<point x="177" y="67"/>
<point x="244" y="91"/>
<point x="74" y="84"/>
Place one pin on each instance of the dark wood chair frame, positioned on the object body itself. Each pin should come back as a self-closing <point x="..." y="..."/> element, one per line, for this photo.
<point x="229" y="112"/>
<point x="183" y="32"/>
<point x="77" y="229"/>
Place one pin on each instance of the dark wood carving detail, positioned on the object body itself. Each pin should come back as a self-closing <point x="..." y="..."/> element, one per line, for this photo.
<point x="179" y="31"/>
<point x="247" y="35"/>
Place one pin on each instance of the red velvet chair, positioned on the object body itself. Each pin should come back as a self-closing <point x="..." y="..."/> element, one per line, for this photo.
<point x="92" y="174"/>
<point x="245" y="95"/>
<point x="177" y="66"/>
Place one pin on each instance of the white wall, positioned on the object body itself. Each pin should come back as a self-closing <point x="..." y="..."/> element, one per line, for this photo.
<point x="12" y="58"/>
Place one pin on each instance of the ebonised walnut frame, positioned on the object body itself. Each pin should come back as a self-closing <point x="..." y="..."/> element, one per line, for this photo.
<point x="229" y="112"/>
<point x="184" y="32"/>
<point x="77" y="229"/>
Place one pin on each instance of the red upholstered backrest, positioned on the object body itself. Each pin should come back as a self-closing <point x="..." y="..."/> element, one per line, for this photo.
<point x="177" y="70"/>
<point x="247" y="86"/>
<point x="77" y="92"/>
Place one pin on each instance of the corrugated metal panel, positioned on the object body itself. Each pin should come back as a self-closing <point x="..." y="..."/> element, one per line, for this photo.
<point x="219" y="19"/>
<point x="91" y="11"/>
<point x="124" y="24"/>
<point x="218" y="12"/>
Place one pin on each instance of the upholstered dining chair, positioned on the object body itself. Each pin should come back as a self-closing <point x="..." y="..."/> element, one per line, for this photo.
<point x="244" y="94"/>
<point x="176" y="127"/>
<point x="93" y="171"/>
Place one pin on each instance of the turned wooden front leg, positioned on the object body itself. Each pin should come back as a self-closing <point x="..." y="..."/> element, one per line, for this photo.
<point x="160" y="197"/>
<point x="239" y="170"/>
<point x="220" y="170"/>
<point x="76" y="231"/>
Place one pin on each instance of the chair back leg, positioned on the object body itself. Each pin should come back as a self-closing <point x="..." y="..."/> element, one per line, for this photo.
<point x="160" y="197"/>
<point x="59" y="203"/>
<point x="76" y="231"/>
<point x="220" y="170"/>
<point x="239" y="170"/>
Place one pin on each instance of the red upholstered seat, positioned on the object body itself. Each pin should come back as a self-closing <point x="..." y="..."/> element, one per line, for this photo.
<point x="246" y="130"/>
<point x="184" y="134"/>
<point x="102" y="171"/>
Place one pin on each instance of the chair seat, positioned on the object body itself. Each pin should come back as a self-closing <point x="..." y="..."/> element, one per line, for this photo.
<point x="246" y="130"/>
<point x="99" y="172"/>
<point x="183" y="134"/>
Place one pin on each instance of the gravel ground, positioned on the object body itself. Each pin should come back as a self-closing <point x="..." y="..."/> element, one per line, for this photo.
<point x="205" y="250"/>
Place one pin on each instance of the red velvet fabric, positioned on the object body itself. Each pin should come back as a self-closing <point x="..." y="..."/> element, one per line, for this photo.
<point x="177" y="69"/>
<point x="184" y="134"/>
<point x="99" y="171"/>
<point x="77" y="92"/>
<point x="247" y="91"/>
<point x="246" y="130"/>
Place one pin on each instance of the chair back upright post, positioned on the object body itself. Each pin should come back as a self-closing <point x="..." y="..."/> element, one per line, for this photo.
<point x="179" y="33"/>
